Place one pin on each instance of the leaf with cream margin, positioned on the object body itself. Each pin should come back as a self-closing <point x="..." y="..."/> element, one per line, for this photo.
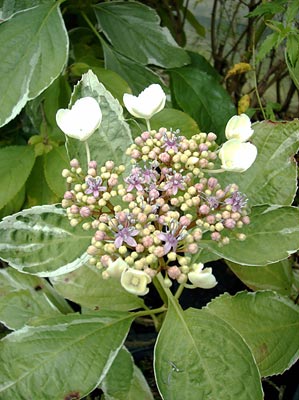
<point x="62" y="357"/>
<point x="272" y="179"/>
<point x="124" y="380"/>
<point x="29" y="39"/>
<point x="41" y="241"/>
<point x="24" y="296"/>
<point x="113" y="136"/>
<point x="271" y="236"/>
<point x="276" y="276"/>
<point x="85" y="286"/>
<point x="207" y="359"/>
<point x="269" y="324"/>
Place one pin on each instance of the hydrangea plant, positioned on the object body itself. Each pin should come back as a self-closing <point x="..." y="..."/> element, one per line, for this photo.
<point x="151" y="214"/>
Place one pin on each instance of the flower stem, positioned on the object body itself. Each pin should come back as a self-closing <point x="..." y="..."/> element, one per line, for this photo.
<point x="150" y="312"/>
<point x="148" y="125"/>
<point x="160" y="288"/>
<point x="179" y="291"/>
<point x="87" y="152"/>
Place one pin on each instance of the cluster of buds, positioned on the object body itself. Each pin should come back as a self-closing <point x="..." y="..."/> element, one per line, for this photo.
<point x="152" y="217"/>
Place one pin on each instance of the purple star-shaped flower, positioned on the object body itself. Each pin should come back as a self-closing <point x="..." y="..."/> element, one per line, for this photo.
<point x="170" y="240"/>
<point x="135" y="180"/>
<point x="174" y="183"/>
<point x="174" y="234"/>
<point x="171" y="142"/>
<point x="237" y="201"/>
<point x="125" y="234"/>
<point x="94" y="186"/>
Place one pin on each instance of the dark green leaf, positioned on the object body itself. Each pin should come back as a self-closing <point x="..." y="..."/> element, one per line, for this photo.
<point x="16" y="163"/>
<point x="54" y="162"/>
<point x="127" y="23"/>
<point x="202" y="97"/>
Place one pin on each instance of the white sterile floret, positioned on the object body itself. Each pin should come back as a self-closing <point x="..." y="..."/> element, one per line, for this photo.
<point x="237" y="156"/>
<point x="149" y="102"/>
<point x="202" y="278"/>
<point x="81" y="120"/>
<point x="135" y="281"/>
<point x="115" y="268"/>
<point x="239" y="127"/>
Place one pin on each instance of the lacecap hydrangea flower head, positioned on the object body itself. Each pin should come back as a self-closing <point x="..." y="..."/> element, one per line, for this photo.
<point x="151" y="217"/>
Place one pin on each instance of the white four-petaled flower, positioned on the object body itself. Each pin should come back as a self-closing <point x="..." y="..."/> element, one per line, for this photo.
<point x="115" y="268"/>
<point x="135" y="281"/>
<point x="239" y="127"/>
<point x="81" y="120"/>
<point x="149" y="102"/>
<point x="202" y="278"/>
<point x="237" y="156"/>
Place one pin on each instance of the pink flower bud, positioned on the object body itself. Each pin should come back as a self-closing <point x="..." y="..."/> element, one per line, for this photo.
<point x="215" y="236"/>
<point x="74" y="163"/>
<point x="92" y="164"/>
<point x="85" y="212"/>
<point x="173" y="272"/>
<point x="68" y="195"/>
<point x="204" y="209"/>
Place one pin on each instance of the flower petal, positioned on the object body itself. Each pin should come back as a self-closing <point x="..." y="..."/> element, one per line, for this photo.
<point x="149" y="102"/>
<point x="81" y="120"/>
<point x="135" y="281"/>
<point x="239" y="127"/>
<point x="237" y="156"/>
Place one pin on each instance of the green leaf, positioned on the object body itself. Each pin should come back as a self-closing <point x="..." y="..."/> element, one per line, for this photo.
<point x="175" y="119"/>
<point x="272" y="179"/>
<point x="276" y="276"/>
<point x="199" y="356"/>
<point x="86" y="287"/>
<point x="128" y="24"/>
<point x="271" y="41"/>
<point x="137" y="75"/>
<point x="271" y="236"/>
<point x="13" y="281"/>
<point x="17" y="308"/>
<point x="14" y="205"/>
<point x="112" y="138"/>
<point x="65" y="357"/>
<point x="30" y="39"/>
<point x="124" y="380"/>
<point x="268" y="323"/>
<point x="168" y="118"/>
<point x="40" y="241"/>
<point x="23" y="296"/>
<point x="9" y="7"/>
<point x="202" y="97"/>
<point x="54" y="162"/>
<point x="37" y="188"/>
<point x="292" y="57"/>
<point x="16" y="163"/>
<point x="113" y="82"/>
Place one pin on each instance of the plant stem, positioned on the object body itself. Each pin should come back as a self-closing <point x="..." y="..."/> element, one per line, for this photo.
<point x="148" y="126"/>
<point x="179" y="291"/>
<point x="160" y="288"/>
<point x="87" y="152"/>
<point x="150" y="312"/>
<point x="254" y="77"/>
<point x="89" y="23"/>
